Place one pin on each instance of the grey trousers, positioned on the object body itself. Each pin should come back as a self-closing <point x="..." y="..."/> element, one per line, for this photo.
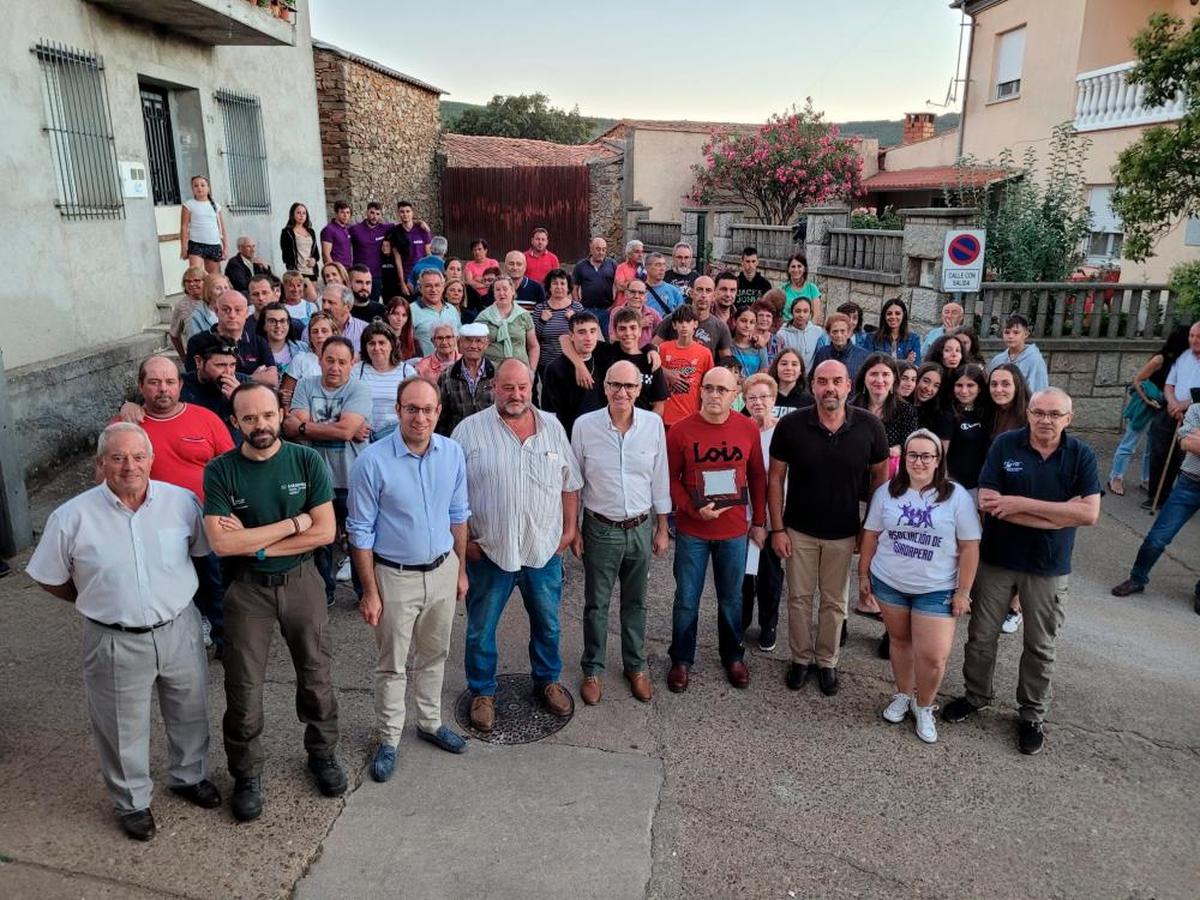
<point x="120" y="673"/>
<point x="1042" y="599"/>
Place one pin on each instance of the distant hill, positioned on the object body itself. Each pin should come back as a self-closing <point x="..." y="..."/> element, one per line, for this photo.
<point x="888" y="131"/>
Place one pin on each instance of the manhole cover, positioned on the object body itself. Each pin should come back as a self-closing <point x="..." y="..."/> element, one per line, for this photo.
<point x="520" y="716"/>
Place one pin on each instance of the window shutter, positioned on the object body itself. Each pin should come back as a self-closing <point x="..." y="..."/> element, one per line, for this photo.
<point x="1103" y="217"/>
<point x="1010" y="51"/>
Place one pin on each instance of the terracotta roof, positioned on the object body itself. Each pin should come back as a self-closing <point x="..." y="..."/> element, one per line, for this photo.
<point x="468" y="151"/>
<point x="619" y="128"/>
<point x="378" y="67"/>
<point x="933" y="178"/>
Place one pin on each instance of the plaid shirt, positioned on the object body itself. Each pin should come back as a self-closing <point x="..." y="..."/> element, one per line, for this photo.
<point x="458" y="399"/>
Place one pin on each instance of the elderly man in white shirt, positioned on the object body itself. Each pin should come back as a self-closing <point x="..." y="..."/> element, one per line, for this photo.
<point x="622" y="456"/>
<point x="523" y="482"/>
<point x="120" y="552"/>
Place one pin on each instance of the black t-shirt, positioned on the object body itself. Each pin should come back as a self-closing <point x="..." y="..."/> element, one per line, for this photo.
<point x="654" y="382"/>
<point x="683" y="282"/>
<point x="799" y="398"/>
<point x="969" y="437"/>
<point x="562" y="395"/>
<point x="750" y="290"/>
<point x="827" y="471"/>
<point x="369" y="312"/>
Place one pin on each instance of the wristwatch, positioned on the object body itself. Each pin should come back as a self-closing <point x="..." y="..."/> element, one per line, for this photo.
<point x="303" y="427"/>
<point x="260" y="554"/>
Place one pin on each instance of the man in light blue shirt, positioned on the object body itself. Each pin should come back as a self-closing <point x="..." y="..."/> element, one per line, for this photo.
<point x="432" y="310"/>
<point x="407" y="525"/>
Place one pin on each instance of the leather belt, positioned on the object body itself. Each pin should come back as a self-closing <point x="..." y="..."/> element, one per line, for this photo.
<point x="130" y="629"/>
<point x="624" y="524"/>
<point x="268" y="579"/>
<point x="408" y="567"/>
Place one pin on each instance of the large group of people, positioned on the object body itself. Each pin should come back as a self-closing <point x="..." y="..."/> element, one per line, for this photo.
<point x="432" y="430"/>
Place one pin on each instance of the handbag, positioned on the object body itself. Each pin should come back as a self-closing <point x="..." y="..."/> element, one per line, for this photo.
<point x="1138" y="411"/>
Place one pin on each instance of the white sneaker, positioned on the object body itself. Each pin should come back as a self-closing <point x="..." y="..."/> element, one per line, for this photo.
<point x="343" y="572"/>
<point x="926" y="729"/>
<point x="1012" y="621"/>
<point x="898" y="708"/>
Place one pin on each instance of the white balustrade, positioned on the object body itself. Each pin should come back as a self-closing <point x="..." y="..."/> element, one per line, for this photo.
<point x="1107" y="100"/>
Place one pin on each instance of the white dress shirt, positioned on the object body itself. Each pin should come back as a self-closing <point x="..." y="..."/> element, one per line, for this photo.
<point x="624" y="475"/>
<point x="516" y="488"/>
<point x="129" y="568"/>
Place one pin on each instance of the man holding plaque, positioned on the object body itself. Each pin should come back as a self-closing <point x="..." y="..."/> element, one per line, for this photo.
<point x="716" y="467"/>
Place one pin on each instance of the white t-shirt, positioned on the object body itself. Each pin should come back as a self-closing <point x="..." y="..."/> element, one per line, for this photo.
<point x="203" y="225"/>
<point x="918" y="538"/>
<point x="1185" y="375"/>
<point x="304" y="365"/>
<point x="383" y="387"/>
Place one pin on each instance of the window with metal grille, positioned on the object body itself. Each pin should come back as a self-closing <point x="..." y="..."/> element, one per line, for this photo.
<point x="245" y="153"/>
<point x="79" y="126"/>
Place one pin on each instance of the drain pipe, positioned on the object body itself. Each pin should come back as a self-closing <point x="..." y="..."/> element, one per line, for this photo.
<point x="962" y="116"/>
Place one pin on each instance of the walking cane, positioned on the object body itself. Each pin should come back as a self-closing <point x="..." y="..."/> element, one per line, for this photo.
<point x="1162" y="478"/>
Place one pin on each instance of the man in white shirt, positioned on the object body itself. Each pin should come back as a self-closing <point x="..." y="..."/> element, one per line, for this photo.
<point x="622" y="456"/>
<point x="523" y="483"/>
<point x="120" y="553"/>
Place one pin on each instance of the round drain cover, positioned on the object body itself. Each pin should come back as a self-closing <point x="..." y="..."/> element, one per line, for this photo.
<point x="520" y="716"/>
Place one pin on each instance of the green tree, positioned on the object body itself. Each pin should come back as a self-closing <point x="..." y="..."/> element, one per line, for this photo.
<point x="524" y="116"/>
<point x="1157" y="179"/>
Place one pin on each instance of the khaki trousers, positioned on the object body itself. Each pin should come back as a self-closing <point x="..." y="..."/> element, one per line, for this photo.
<point x="418" y="612"/>
<point x="824" y="565"/>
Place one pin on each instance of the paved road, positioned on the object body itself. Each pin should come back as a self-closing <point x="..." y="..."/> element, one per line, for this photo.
<point x="715" y="793"/>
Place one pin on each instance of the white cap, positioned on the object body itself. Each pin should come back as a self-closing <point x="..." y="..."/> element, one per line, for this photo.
<point x="475" y="329"/>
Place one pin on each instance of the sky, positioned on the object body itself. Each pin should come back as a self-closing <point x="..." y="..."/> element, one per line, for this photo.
<point x="735" y="62"/>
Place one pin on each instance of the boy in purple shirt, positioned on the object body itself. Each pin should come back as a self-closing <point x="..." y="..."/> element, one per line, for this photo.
<point x="408" y="243"/>
<point x="335" y="237"/>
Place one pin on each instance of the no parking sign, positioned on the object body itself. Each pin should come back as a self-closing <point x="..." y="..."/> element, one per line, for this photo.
<point x="962" y="261"/>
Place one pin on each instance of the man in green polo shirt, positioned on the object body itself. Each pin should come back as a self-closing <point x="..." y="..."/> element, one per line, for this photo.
<point x="267" y="506"/>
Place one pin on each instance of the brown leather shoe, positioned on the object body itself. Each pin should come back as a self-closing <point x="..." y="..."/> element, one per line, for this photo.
<point x="1127" y="587"/>
<point x="677" y="678"/>
<point x="483" y="713"/>
<point x="738" y="674"/>
<point x="639" y="686"/>
<point x="556" y="699"/>
<point x="590" y="690"/>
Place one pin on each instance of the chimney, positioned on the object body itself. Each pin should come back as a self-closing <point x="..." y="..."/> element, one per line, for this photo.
<point x="917" y="127"/>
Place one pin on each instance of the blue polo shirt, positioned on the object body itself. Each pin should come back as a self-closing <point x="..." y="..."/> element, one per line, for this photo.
<point x="1013" y="467"/>
<point x="595" y="282"/>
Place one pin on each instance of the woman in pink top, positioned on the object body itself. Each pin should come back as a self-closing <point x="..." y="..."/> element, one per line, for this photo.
<point x="478" y="264"/>
<point x="627" y="272"/>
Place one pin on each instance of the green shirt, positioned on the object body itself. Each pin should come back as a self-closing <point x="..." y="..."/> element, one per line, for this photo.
<point x="808" y="291"/>
<point x="293" y="481"/>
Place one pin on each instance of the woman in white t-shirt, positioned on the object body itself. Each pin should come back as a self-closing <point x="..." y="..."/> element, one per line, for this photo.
<point x="202" y="240"/>
<point x="382" y="370"/>
<point x="920" y="551"/>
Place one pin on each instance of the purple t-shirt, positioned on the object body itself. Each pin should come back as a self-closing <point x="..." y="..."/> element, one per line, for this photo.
<point x="418" y="241"/>
<point x="367" y="243"/>
<point x="338" y="237"/>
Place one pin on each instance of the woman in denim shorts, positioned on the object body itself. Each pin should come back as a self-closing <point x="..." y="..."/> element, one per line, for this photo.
<point x="920" y="550"/>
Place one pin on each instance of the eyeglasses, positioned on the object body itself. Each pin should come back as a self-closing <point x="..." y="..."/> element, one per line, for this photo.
<point x="921" y="457"/>
<point x="1052" y="415"/>
<point x="617" y="386"/>
<point x="410" y="410"/>
<point x="718" y="389"/>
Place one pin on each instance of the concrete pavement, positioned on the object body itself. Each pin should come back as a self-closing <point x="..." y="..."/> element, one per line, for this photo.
<point x="713" y="793"/>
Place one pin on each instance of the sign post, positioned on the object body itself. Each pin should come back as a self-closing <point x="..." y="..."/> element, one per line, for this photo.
<point x="962" y="261"/>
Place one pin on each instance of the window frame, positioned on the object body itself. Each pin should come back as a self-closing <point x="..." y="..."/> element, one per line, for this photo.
<point x="245" y="153"/>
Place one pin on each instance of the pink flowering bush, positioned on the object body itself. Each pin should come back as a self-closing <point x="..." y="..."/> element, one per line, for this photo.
<point x="792" y="161"/>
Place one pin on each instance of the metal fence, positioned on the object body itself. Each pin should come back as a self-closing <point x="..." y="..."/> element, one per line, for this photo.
<point x="245" y="153"/>
<point x="79" y="125"/>
<point x="1077" y="309"/>
<point x="866" y="251"/>
<point x="774" y="243"/>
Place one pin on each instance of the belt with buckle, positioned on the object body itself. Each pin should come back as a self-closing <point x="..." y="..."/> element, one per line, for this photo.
<point x="267" y="579"/>
<point x="130" y="629"/>
<point x="411" y="567"/>
<point x="623" y="524"/>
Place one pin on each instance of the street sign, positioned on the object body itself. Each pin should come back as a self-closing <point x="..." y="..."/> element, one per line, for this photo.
<point x="962" y="261"/>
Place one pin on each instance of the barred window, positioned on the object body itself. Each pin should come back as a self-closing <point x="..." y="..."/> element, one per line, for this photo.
<point x="245" y="153"/>
<point x="79" y="126"/>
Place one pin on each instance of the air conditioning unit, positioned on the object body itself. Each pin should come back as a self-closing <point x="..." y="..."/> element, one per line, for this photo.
<point x="1008" y="89"/>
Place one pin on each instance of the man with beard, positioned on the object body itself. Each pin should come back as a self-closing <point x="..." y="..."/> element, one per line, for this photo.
<point x="365" y="308"/>
<point x="725" y="297"/>
<point x="267" y="506"/>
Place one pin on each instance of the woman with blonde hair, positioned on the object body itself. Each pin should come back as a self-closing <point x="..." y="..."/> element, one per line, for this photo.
<point x="204" y="316"/>
<point x="193" y="298"/>
<point x="321" y="327"/>
<point x="763" y="582"/>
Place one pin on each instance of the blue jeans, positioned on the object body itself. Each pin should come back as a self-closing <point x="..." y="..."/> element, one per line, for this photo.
<point x="1125" y="450"/>
<point x="729" y="565"/>
<point x="1181" y="504"/>
<point x="491" y="586"/>
<point x="324" y="556"/>
<point x="210" y="595"/>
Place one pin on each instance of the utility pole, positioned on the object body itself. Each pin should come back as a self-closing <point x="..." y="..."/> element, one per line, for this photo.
<point x="16" y="528"/>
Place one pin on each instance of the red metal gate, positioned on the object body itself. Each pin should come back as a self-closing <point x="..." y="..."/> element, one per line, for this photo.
<point x="503" y="205"/>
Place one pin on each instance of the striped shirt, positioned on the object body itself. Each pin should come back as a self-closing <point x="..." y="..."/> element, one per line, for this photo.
<point x="516" y="489"/>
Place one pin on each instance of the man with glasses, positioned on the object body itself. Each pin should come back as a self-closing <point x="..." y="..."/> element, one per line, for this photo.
<point x="716" y="472"/>
<point x="1037" y="486"/>
<point x="682" y="273"/>
<point x="407" y="526"/>
<point x="622" y="456"/>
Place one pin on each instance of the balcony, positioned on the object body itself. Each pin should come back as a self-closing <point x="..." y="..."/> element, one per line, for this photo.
<point x="212" y="22"/>
<point x="1107" y="100"/>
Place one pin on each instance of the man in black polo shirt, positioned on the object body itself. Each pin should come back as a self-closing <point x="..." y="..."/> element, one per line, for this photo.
<point x="254" y="354"/>
<point x="561" y="393"/>
<point x="594" y="275"/>
<point x="1037" y="485"/>
<point x="751" y="285"/>
<point x="828" y="456"/>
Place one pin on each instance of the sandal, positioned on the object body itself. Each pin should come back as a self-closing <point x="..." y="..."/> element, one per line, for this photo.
<point x="1117" y="486"/>
<point x="868" y="614"/>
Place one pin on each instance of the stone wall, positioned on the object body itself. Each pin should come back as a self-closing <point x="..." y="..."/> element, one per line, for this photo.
<point x="606" y="217"/>
<point x="379" y="136"/>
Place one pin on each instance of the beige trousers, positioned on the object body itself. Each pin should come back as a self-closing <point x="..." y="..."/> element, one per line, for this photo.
<point x="817" y="564"/>
<point x="418" y="612"/>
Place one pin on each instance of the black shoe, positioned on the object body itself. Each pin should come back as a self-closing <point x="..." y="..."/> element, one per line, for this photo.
<point x="331" y="780"/>
<point x="827" y="680"/>
<point x="1029" y="737"/>
<point x="1196" y="601"/>
<point x="959" y="710"/>
<point x="203" y="794"/>
<point x="766" y="640"/>
<point x="247" y="800"/>
<point x="885" y="646"/>
<point x="1147" y="505"/>
<point x="139" y="824"/>
<point x="845" y="634"/>
<point x="1127" y="587"/>
<point x="4" y="569"/>
<point x="797" y="674"/>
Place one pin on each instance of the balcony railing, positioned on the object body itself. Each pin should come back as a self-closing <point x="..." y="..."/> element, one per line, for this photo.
<point x="1106" y="99"/>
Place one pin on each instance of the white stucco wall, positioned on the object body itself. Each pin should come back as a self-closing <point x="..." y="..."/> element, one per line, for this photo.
<point x="74" y="285"/>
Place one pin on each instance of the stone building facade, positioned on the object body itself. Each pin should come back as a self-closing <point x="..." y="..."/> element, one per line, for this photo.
<point x="379" y="134"/>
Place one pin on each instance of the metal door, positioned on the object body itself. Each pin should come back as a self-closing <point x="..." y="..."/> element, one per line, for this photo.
<point x="160" y="147"/>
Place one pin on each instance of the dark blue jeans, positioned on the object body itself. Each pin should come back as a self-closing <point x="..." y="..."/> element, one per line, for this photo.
<point x="1181" y="504"/>
<point x="324" y="556"/>
<point x="691" y="564"/>
<point x="210" y="595"/>
<point x="491" y="586"/>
